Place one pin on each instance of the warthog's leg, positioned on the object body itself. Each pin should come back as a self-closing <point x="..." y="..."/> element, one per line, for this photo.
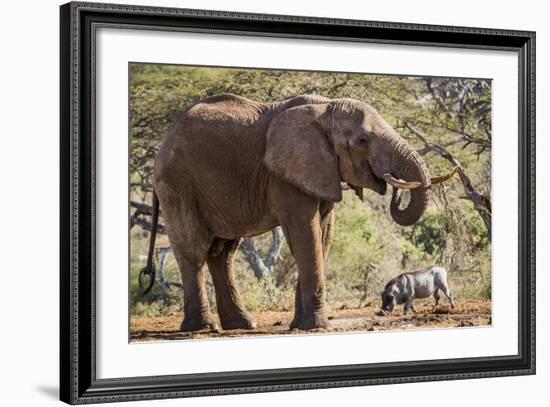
<point x="447" y="293"/>
<point x="409" y="305"/>
<point x="436" y="296"/>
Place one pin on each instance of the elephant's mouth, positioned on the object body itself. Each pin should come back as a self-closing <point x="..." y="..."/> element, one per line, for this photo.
<point x="380" y="186"/>
<point x="375" y="183"/>
<point x="361" y="175"/>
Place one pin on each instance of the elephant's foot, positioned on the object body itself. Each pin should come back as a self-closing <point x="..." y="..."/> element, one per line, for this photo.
<point x="238" y="322"/>
<point x="192" y="324"/>
<point x="318" y="322"/>
<point x="297" y="320"/>
<point x="294" y="324"/>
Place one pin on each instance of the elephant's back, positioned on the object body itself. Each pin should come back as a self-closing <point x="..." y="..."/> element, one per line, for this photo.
<point x="214" y="156"/>
<point x="224" y="125"/>
<point x="226" y="111"/>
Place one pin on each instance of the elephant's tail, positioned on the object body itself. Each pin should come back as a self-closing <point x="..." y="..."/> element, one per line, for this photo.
<point x="149" y="269"/>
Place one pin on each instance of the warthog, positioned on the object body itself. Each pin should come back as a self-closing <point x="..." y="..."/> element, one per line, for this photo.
<point x="405" y="288"/>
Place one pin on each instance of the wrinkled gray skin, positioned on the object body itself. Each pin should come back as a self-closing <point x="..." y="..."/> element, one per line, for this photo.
<point x="405" y="288"/>
<point x="232" y="167"/>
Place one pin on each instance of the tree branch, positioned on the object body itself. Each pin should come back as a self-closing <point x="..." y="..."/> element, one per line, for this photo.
<point x="481" y="202"/>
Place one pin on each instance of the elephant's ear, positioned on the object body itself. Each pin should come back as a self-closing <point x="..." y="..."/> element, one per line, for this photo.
<point x="299" y="150"/>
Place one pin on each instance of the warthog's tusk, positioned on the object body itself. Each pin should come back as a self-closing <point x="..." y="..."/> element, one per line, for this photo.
<point x="443" y="178"/>
<point x="397" y="183"/>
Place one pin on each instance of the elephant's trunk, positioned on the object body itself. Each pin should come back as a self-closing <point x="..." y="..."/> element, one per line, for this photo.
<point x="410" y="167"/>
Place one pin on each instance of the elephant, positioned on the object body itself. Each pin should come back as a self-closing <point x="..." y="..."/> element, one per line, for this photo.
<point x="231" y="168"/>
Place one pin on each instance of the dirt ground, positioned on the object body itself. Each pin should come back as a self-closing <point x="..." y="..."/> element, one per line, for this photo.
<point x="465" y="314"/>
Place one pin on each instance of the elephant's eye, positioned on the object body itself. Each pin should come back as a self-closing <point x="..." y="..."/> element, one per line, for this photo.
<point x="362" y="141"/>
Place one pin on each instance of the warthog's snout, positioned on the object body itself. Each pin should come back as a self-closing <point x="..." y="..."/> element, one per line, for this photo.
<point x="388" y="302"/>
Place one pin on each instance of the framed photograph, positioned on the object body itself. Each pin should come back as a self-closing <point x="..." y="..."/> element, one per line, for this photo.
<point x="255" y="203"/>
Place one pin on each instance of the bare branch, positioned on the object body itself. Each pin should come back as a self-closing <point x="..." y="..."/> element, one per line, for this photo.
<point x="481" y="202"/>
<point x="135" y="219"/>
<point x="263" y="267"/>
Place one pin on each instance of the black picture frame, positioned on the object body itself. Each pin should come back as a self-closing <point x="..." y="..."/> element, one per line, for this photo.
<point x="78" y="382"/>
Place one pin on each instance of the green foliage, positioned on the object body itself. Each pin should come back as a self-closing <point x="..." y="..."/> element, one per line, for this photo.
<point x="368" y="248"/>
<point x="429" y="232"/>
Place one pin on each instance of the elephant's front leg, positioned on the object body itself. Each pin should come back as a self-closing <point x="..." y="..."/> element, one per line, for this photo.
<point x="306" y="241"/>
<point x="300" y="218"/>
<point x="303" y="234"/>
<point x="327" y="226"/>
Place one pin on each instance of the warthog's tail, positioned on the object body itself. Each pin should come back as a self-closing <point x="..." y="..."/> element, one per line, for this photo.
<point x="149" y="269"/>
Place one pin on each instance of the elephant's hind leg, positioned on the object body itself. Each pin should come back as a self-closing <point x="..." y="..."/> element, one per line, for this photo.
<point x="195" y="305"/>
<point x="231" y="311"/>
<point x="190" y="242"/>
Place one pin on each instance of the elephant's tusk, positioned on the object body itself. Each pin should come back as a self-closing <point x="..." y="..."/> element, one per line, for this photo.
<point x="443" y="178"/>
<point x="397" y="183"/>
